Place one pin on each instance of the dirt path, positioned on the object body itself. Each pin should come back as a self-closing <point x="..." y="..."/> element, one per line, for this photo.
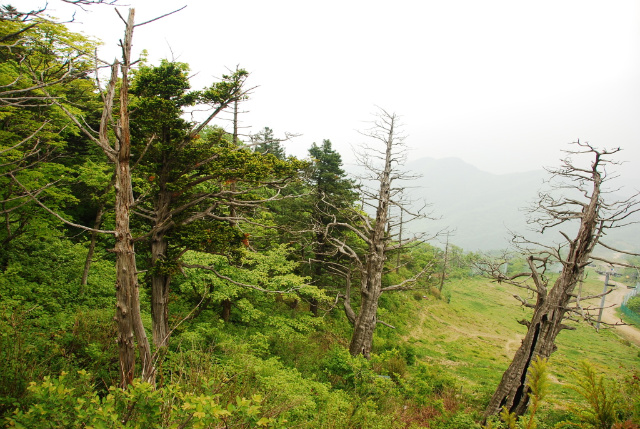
<point x="612" y="302"/>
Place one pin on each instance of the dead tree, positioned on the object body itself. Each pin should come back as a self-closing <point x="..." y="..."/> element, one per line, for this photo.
<point x="128" y="317"/>
<point x="114" y="138"/>
<point x="581" y="200"/>
<point x="383" y="164"/>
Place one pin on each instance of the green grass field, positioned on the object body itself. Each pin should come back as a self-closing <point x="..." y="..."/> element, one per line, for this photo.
<point x="476" y="334"/>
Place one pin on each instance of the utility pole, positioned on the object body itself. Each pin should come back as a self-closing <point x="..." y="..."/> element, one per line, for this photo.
<point x="604" y="291"/>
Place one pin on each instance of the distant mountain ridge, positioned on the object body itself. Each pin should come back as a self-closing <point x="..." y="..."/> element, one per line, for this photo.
<point x="483" y="207"/>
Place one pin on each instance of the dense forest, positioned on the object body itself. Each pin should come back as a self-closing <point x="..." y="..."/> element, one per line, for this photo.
<point x="158" y="271"/>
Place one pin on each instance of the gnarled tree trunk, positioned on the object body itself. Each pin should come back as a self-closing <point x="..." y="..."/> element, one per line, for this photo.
<point x="544" y="327"/>
<point x="552" y="305"/>
<point x="371" y="284"/>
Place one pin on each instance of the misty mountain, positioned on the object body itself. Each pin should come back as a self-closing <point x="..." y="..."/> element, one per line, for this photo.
<point x="482" y="207"/>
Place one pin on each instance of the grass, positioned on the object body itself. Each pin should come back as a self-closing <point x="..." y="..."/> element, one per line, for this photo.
<point x="476" y="334"/>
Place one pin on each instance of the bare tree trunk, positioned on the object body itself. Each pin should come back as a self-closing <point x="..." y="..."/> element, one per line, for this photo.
<point x="545" y="325"/>
<point x="551" y="306"/>
<point x="127" y="293"/>
<point x="348" y="311"/>
<point x="160" y="281"/>
<point x="365" y="322"/>
<point x="371" y="285"/>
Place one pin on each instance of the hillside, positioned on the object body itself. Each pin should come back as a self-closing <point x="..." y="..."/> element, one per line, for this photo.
<point x="476" y="334"/>
<point x="482" y="207"/>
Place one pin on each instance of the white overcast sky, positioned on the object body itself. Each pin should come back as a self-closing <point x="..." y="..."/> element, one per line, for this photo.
<point x="503" y="85"/>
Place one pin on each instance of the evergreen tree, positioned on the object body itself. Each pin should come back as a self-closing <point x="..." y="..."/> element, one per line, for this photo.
<point x="266" y="142"/>
<point x="195" y="181"/>
<point x="331" y="191"/>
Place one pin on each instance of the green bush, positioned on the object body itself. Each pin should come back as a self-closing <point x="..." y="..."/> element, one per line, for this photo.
<point x="71" y="402"/>
<point x="634" y="304"/>
<point x="426" y="383"/>
<point x="602" y="405"/>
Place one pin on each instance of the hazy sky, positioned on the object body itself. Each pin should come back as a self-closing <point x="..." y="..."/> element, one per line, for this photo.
<point x="504" y="85"/>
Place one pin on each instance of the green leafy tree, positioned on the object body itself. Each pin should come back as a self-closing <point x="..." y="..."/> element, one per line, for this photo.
<point x="195" y="182"/>
<point x="39" y="61"/>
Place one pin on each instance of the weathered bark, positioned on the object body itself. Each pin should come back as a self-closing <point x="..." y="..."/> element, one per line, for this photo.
<point x="160" y="281"/>
<point x="545" y="325"/>
<point x="371" y="283"/>
<point x="365" y="324"/>
<point x="128" y="315"/>
<point x="348" y="311"/>
<point x="551" y="306"/>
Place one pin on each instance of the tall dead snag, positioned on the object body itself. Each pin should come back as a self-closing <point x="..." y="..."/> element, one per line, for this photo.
<point x="128" y="315"/>
<point x="581" y="202"/>
<point x="383" y="167"/>
<point x="118" y="151"/>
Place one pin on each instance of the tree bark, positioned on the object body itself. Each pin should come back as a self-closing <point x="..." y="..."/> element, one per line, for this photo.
<point x="160" y="281"/>
<point x="226" y="310"/>
<point x="365" y="324"/>
<point x="371" y="284"/>
<point x="545" y="325"/>
<point x="160" y="277"/>
<point x="551" y="307"/>
<point x="128" y="315"/>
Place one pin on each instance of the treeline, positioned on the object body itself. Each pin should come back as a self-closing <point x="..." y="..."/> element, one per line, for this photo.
<point x="228" y="257"/>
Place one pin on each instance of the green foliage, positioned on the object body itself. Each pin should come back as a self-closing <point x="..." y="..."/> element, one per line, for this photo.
<point x="634" y="304"/>
<point x="66" y="402"/>
<point x="49" y="277"/>
<point x="538" y="383"/>
<point x="509" y="419"/>
<point x="631" y="397"/>
<point x="40" y="63"/>
<point x="601" y="398"/>
<point x="265" y="142"/>
<point x="425" y="382"/>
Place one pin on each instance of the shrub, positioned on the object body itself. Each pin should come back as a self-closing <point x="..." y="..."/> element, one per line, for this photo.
<point x="602" y="407"/>
<point x="634" y="304"/>
<point x="71" y="402"/>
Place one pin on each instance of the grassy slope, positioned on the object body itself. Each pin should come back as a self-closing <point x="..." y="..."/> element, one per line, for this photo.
<point x="476" y="335"/>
